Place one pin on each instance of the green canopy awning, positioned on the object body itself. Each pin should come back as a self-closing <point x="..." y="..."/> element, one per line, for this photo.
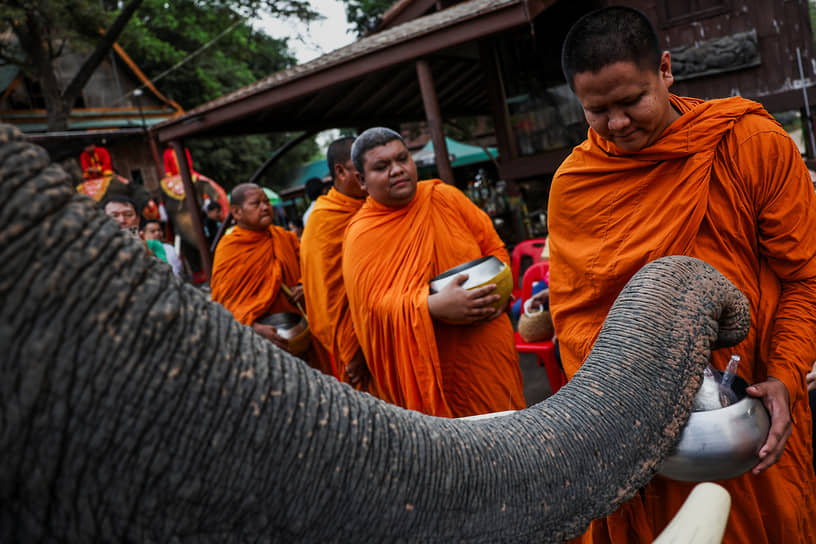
<point x="460" y="154"/>
<point x="274" y="198"/>
<point x="298" y="176"/>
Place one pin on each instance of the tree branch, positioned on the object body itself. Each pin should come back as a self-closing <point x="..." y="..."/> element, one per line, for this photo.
<point x="88" y="67"/>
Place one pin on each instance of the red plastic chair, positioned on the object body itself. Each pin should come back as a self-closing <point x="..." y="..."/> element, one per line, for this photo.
<point x="530" y="248"/>
<point x="536" y="272"/>
<point x="544" y="351"/>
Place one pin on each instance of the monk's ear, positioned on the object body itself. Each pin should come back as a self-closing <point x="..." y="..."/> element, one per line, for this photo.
<point x="358" y="177"/>
<point x="236" y="212"/>
<point x="665" y="69"/>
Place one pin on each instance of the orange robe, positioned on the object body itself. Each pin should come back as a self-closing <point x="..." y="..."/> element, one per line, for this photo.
<point x="389" y="256"/>
<point x="726" y="184"/>
<point x="248" y="270"/>
<point x="321" y="255"/>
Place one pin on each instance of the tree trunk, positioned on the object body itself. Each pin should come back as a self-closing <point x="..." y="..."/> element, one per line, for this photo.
<point x="102" y="49"/>
<point x="32" y="35"/>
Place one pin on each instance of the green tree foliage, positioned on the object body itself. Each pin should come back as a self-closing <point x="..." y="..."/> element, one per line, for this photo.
<point x="165" y="34"/>
<point x="812" y="9"/>
<point x="365" y="15"/>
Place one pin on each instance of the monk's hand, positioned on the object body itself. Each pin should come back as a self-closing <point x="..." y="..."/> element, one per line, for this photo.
<point x="271" y="333"/>
<point x="811" y="378"/>
<point x="455" y="304"/>
<point x="776" y="399"/>
<point x="540" y="298"/>
<point x="357" y="370"/>
<point x="501" y="311"/>
<point x="297" y="294"/>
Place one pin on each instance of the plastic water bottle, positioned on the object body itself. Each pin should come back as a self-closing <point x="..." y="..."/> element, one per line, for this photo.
<point x="727" y="394"/>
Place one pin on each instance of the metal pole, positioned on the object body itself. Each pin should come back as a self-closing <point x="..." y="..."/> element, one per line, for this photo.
<point x="809" y="122"/>
<point x="155" y="189"/>
<point x="434" y="116"/>
<point x="190" y="197"/>
<point x="137" y="94"/>
<point x="154" y="151"/>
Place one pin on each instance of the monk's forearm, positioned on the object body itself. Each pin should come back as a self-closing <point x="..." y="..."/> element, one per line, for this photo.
<point x="793" y="347"/>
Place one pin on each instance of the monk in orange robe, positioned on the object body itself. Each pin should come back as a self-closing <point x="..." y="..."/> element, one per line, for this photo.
<point x="255" y="264"/>
<point x="718" y="180"/>
<point x="405" y="234"/>
<point x="321" y="255"/>
<point x="96" y="162"/>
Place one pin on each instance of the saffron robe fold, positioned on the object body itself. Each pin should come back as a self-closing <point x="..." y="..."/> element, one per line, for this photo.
<point x="248" y="269"/>
<point x="321" y="256"/>
<point x="726" y="184"/>
<point x="389" y="256"/>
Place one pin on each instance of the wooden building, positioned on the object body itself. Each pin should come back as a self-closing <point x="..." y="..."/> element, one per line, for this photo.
<point x="116" y="108"/>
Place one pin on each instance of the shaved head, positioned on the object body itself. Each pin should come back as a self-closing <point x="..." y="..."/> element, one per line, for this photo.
<point x="240" y="192"/>
<point x="250" y="207"/>
<point x="609" y="35"/>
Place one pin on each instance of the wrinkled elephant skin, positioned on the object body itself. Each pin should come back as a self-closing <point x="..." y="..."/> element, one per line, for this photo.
<point x="133" y="409"/>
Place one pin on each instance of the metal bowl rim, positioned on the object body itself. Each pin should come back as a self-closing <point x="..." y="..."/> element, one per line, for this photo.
<point x="289" y="324"/>
<point x="464" y="266"/>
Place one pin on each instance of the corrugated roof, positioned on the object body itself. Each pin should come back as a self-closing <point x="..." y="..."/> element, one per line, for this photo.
<point x="35" y="120"/>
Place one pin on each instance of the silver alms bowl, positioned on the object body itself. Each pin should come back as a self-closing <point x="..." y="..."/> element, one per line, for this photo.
<point x="480" y="272"/>
<point x="720" y="444"/>
<point x="293" y="327"/>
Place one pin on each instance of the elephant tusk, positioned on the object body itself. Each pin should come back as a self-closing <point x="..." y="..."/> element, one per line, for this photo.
<point x="701" y="519"/>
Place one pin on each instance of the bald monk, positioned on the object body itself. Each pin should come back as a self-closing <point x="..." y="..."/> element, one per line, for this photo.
<point x="321" y="254"/>
<point x="405" y="234"/>
<point x="719" y="180"/>
<point x="255" y="264"/>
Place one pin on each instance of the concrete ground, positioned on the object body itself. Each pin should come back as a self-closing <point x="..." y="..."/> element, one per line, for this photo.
<point x="536" y="386"/>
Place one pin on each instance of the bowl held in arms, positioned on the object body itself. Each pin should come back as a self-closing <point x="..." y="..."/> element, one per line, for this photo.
<point x="293" y="327"/>
<point x="722" y="443"/>
<point x="480" y="272"/>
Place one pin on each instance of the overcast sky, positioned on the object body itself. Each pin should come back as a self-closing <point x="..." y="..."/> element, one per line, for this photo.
<point x="310" y="41"/>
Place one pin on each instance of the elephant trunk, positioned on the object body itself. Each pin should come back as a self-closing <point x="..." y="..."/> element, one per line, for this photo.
<point x="132" y="408"/>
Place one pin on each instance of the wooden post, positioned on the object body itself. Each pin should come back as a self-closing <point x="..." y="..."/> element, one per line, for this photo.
<point x="505" y="140"/>
<point x="154" y="151"/>
<point x="434" y="116"/>
<point x="191" y="197"/>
